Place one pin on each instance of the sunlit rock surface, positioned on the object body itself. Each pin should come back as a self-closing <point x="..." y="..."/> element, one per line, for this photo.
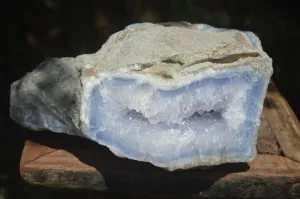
<point x="177" y="97"/>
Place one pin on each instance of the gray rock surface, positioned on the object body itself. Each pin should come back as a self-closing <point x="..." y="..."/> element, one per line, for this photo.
<point x="177" y="97"/>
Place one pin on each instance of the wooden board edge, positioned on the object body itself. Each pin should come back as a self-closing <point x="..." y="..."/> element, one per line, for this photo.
<point x="64" y="178"/>
<point x="235" y="184"/>
<point x="32" y="151"/>
<point x="285" y="124"/>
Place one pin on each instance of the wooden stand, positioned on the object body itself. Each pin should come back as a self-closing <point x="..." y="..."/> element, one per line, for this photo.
<point x="59" y="160"/>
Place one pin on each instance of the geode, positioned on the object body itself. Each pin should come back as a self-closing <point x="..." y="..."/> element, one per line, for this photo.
<point x="177" y="97"/>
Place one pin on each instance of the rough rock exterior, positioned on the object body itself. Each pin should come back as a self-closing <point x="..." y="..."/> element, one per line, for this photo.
<point x="177" y="97"/>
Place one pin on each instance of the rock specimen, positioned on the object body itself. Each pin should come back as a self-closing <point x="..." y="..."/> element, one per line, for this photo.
<point x="177" y="97"/>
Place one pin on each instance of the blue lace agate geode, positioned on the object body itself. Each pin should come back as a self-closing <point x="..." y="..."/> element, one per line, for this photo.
<point x="177" y="97"/>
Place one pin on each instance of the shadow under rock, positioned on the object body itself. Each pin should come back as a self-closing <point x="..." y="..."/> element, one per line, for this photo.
<point x="128" y="176"/>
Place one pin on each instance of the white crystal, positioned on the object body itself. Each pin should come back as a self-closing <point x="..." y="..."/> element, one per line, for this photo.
<point x="177" y="97"/>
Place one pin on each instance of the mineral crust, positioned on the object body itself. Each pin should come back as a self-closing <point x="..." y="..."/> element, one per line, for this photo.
<point x="177" y="97"/>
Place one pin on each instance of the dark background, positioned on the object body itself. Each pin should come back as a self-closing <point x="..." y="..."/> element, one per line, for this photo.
<point x="33" y="30"/>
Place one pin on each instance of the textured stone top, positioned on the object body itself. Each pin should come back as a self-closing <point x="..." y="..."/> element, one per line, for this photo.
<point x="171" y="52"/>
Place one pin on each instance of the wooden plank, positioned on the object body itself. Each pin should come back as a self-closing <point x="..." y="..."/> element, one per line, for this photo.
<point x="266" y="140"/>
<point x="61" y="169"/>
<point x="33" y="151"/>
<point x="57" y="168"/>
<point x="285" y="125"/>
<point x="264" y="174"/>
<point x="269" y="176"/>
<point x="59" y="160"/>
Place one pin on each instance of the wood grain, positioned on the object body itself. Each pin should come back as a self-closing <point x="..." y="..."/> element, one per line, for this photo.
<point x="284" y="123"/>
<point x="266" y="140"/>
<point x="57" y="160"/>
<point x="268" y="175"/>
